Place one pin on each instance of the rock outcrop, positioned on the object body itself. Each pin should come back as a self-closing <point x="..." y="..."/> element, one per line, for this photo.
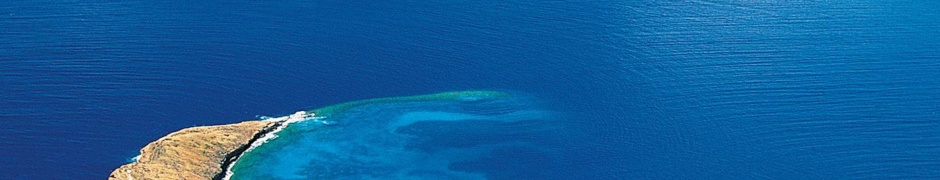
<point x="193" y="153"/>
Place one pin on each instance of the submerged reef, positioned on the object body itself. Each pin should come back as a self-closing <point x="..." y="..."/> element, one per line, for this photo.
<point x="193" y="153"/>
<point x="407" y="137"/>
<point x="456" y="95"/>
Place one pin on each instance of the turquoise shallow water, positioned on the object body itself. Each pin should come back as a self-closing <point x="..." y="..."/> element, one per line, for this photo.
<point x="427" y="137"/>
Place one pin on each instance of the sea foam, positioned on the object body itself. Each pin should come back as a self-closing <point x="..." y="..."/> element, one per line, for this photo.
<point x="281" y="122"/>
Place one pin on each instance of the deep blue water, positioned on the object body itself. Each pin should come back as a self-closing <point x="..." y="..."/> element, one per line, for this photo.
<point x="649" y="89"/>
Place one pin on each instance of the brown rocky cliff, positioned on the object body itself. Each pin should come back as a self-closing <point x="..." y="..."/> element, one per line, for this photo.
<point x="192" y="153"/>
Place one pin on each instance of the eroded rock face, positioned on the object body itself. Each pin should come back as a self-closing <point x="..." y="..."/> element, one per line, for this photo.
<point x="192" y="153"/>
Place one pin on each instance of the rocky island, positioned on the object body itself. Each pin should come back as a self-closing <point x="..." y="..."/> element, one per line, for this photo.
<point x="194" y="153"/>
<point x="210" y="152"/>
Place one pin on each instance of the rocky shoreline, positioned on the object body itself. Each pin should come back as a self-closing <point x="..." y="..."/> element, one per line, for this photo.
<point x="195" y="153"/>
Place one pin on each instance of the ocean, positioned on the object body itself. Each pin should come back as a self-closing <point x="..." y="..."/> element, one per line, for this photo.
<point x="630" y="89"/>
